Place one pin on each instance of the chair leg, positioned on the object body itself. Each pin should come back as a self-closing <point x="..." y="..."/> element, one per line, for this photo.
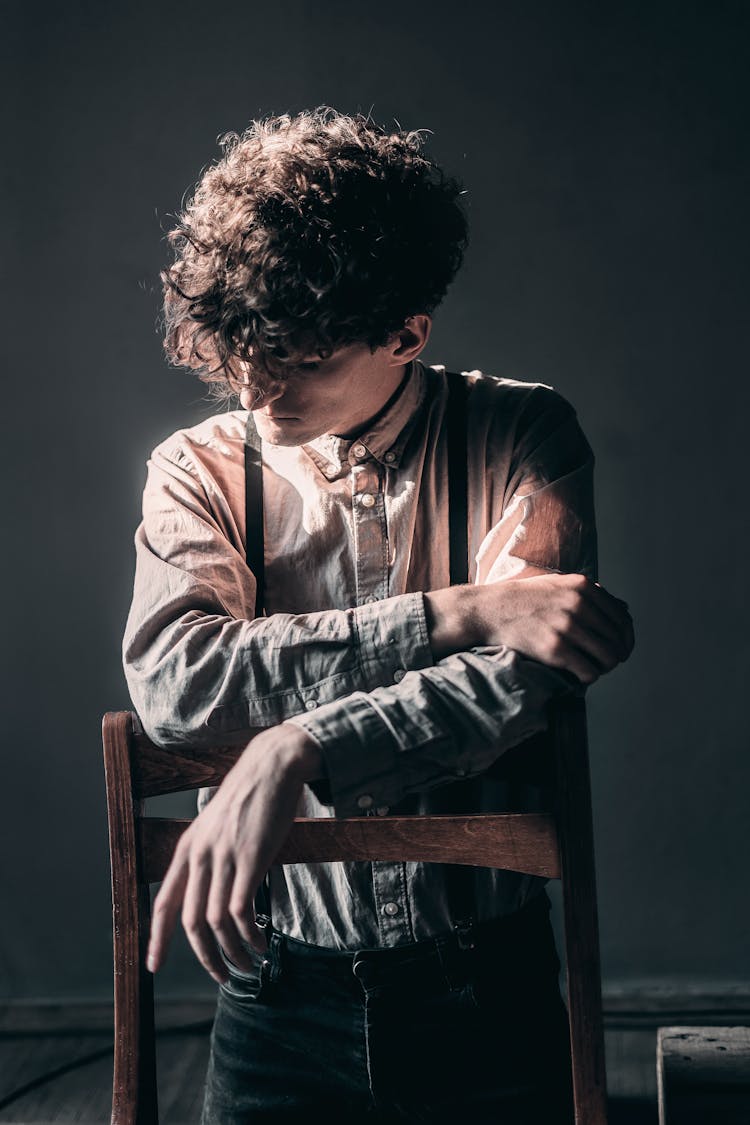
<point x="134" y="1093"/>
<point x="134" y="1100"/>
<point x="576" y="843"/>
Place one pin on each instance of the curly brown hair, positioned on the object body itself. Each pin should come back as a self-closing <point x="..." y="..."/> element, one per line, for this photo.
<point x="311" y="232"/>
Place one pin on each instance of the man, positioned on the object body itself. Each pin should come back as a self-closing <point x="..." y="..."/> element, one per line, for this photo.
<point x="308" y="265"/>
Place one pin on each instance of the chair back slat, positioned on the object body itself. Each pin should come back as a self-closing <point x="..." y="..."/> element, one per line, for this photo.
<point x="156" y="771"/>
<point x="524" y="842"/>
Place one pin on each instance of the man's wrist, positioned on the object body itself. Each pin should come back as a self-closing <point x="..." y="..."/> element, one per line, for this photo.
<point x="301" y="754"/>
<point x="288" y="750"/>
<point x="454" y="621"/>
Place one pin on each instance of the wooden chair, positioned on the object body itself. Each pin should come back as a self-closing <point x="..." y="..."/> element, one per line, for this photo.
<point x="558" y="845"/>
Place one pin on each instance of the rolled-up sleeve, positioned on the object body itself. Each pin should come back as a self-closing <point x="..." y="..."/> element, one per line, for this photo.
<point x="454" y="718"/>
<point x="199" y="669"/>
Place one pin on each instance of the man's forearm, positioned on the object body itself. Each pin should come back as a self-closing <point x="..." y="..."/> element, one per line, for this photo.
<point x="463" y="617"/>
<point x="236" y="675"/>
<point x="455" y="717"/>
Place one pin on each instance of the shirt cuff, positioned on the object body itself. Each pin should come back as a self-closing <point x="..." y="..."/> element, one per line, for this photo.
<point x="448" y="722"/>
<point x="342" y="732"/>
<point x="393" y="639"/>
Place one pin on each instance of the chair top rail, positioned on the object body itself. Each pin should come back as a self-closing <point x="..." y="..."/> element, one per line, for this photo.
<point x="157" y="770"/>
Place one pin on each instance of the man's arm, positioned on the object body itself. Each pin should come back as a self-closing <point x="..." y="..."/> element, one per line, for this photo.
<point x="200" y="670"/>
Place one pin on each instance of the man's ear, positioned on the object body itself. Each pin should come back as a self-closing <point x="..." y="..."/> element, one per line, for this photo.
<point x="410" y="340"/>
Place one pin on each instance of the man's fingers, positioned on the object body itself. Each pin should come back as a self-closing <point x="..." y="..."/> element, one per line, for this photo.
<point x="165" y="911"/>
<point x="217" y="903"/>
<point x="629" y="635"/>
<point x="220" y="920"/>
<point x="194" y="922"/>
<point x="605" y="651"/>
<point x="613" y="608"/>
<point x="572" y="659"/>
<point x="602" y="629"/>
<point x="599" y="611"/>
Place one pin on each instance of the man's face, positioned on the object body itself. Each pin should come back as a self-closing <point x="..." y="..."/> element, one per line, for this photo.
<point x="338" y="395"/>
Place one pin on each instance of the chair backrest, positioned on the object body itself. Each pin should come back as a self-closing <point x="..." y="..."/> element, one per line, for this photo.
<point x="555" y="845"/>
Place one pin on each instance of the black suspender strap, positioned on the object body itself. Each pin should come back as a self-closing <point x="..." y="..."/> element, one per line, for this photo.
<point x="457" y="483"/>
<point x="461" y="796"/>
<point x="254" y="541"/>
<point x="254" y="554"/>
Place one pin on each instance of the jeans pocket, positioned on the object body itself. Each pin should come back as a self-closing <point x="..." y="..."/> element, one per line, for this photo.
<point x="245" y="985"/>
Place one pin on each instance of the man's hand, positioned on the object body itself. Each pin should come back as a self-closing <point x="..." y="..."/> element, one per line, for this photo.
<point x="223" y="856"/>
<point x="563" y="620"/>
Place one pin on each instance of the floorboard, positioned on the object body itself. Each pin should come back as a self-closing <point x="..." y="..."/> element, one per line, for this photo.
<point x="83" y="1094"/>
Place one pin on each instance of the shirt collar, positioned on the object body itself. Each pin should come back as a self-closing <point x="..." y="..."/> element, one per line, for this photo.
<point x="384" y="439"/>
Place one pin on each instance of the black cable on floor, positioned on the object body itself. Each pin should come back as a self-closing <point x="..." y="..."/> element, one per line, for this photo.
<point x="92" y="1056"/>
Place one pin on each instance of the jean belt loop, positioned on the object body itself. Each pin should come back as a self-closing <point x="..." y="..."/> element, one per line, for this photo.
<point x="270" y="968"/>
<point x="450" y="960"/>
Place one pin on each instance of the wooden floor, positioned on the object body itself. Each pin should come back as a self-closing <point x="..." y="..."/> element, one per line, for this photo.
<point x="79" y="1066"/>
<point x="56" y="1059"/>
<point x="80" y="1088"/>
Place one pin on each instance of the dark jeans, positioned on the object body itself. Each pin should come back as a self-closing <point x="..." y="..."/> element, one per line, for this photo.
<point x="422" y="1033"/>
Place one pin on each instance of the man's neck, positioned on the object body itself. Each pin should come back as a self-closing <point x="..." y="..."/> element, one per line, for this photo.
<point x="390" y="401"/>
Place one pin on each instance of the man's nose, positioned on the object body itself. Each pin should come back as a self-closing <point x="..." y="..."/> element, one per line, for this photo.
<point x="260" y="394"/>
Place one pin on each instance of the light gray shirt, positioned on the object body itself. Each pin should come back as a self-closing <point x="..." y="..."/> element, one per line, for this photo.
<point x="355" y="531"/>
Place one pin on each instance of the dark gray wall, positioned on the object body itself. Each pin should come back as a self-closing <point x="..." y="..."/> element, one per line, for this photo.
<point x="604" y="148"/>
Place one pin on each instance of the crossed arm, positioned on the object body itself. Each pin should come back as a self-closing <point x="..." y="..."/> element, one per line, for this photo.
<point x="481" y="663"/>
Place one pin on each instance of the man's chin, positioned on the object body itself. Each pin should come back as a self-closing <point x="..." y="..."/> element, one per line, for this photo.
<point x="282" y="431"/>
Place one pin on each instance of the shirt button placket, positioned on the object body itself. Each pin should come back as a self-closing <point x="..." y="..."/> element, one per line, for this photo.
<point x="370" y="534"/>
<point x="371" y="545"/>
<point x="389" y="884"/>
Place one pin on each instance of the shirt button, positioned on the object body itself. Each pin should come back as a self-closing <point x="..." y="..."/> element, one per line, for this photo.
<point x="359" y="451"/>
<point x="398" y="675"/>
<point x="311" y="704"/>
<point x="365" y="801"/>
<point x="390" y="457"/>
<point x="391" y="908"/>
<point x="382" y="810"/>
<point x="460" y="772"/>
<point x="370" y="599"/>
<point x="367" y="500"/>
